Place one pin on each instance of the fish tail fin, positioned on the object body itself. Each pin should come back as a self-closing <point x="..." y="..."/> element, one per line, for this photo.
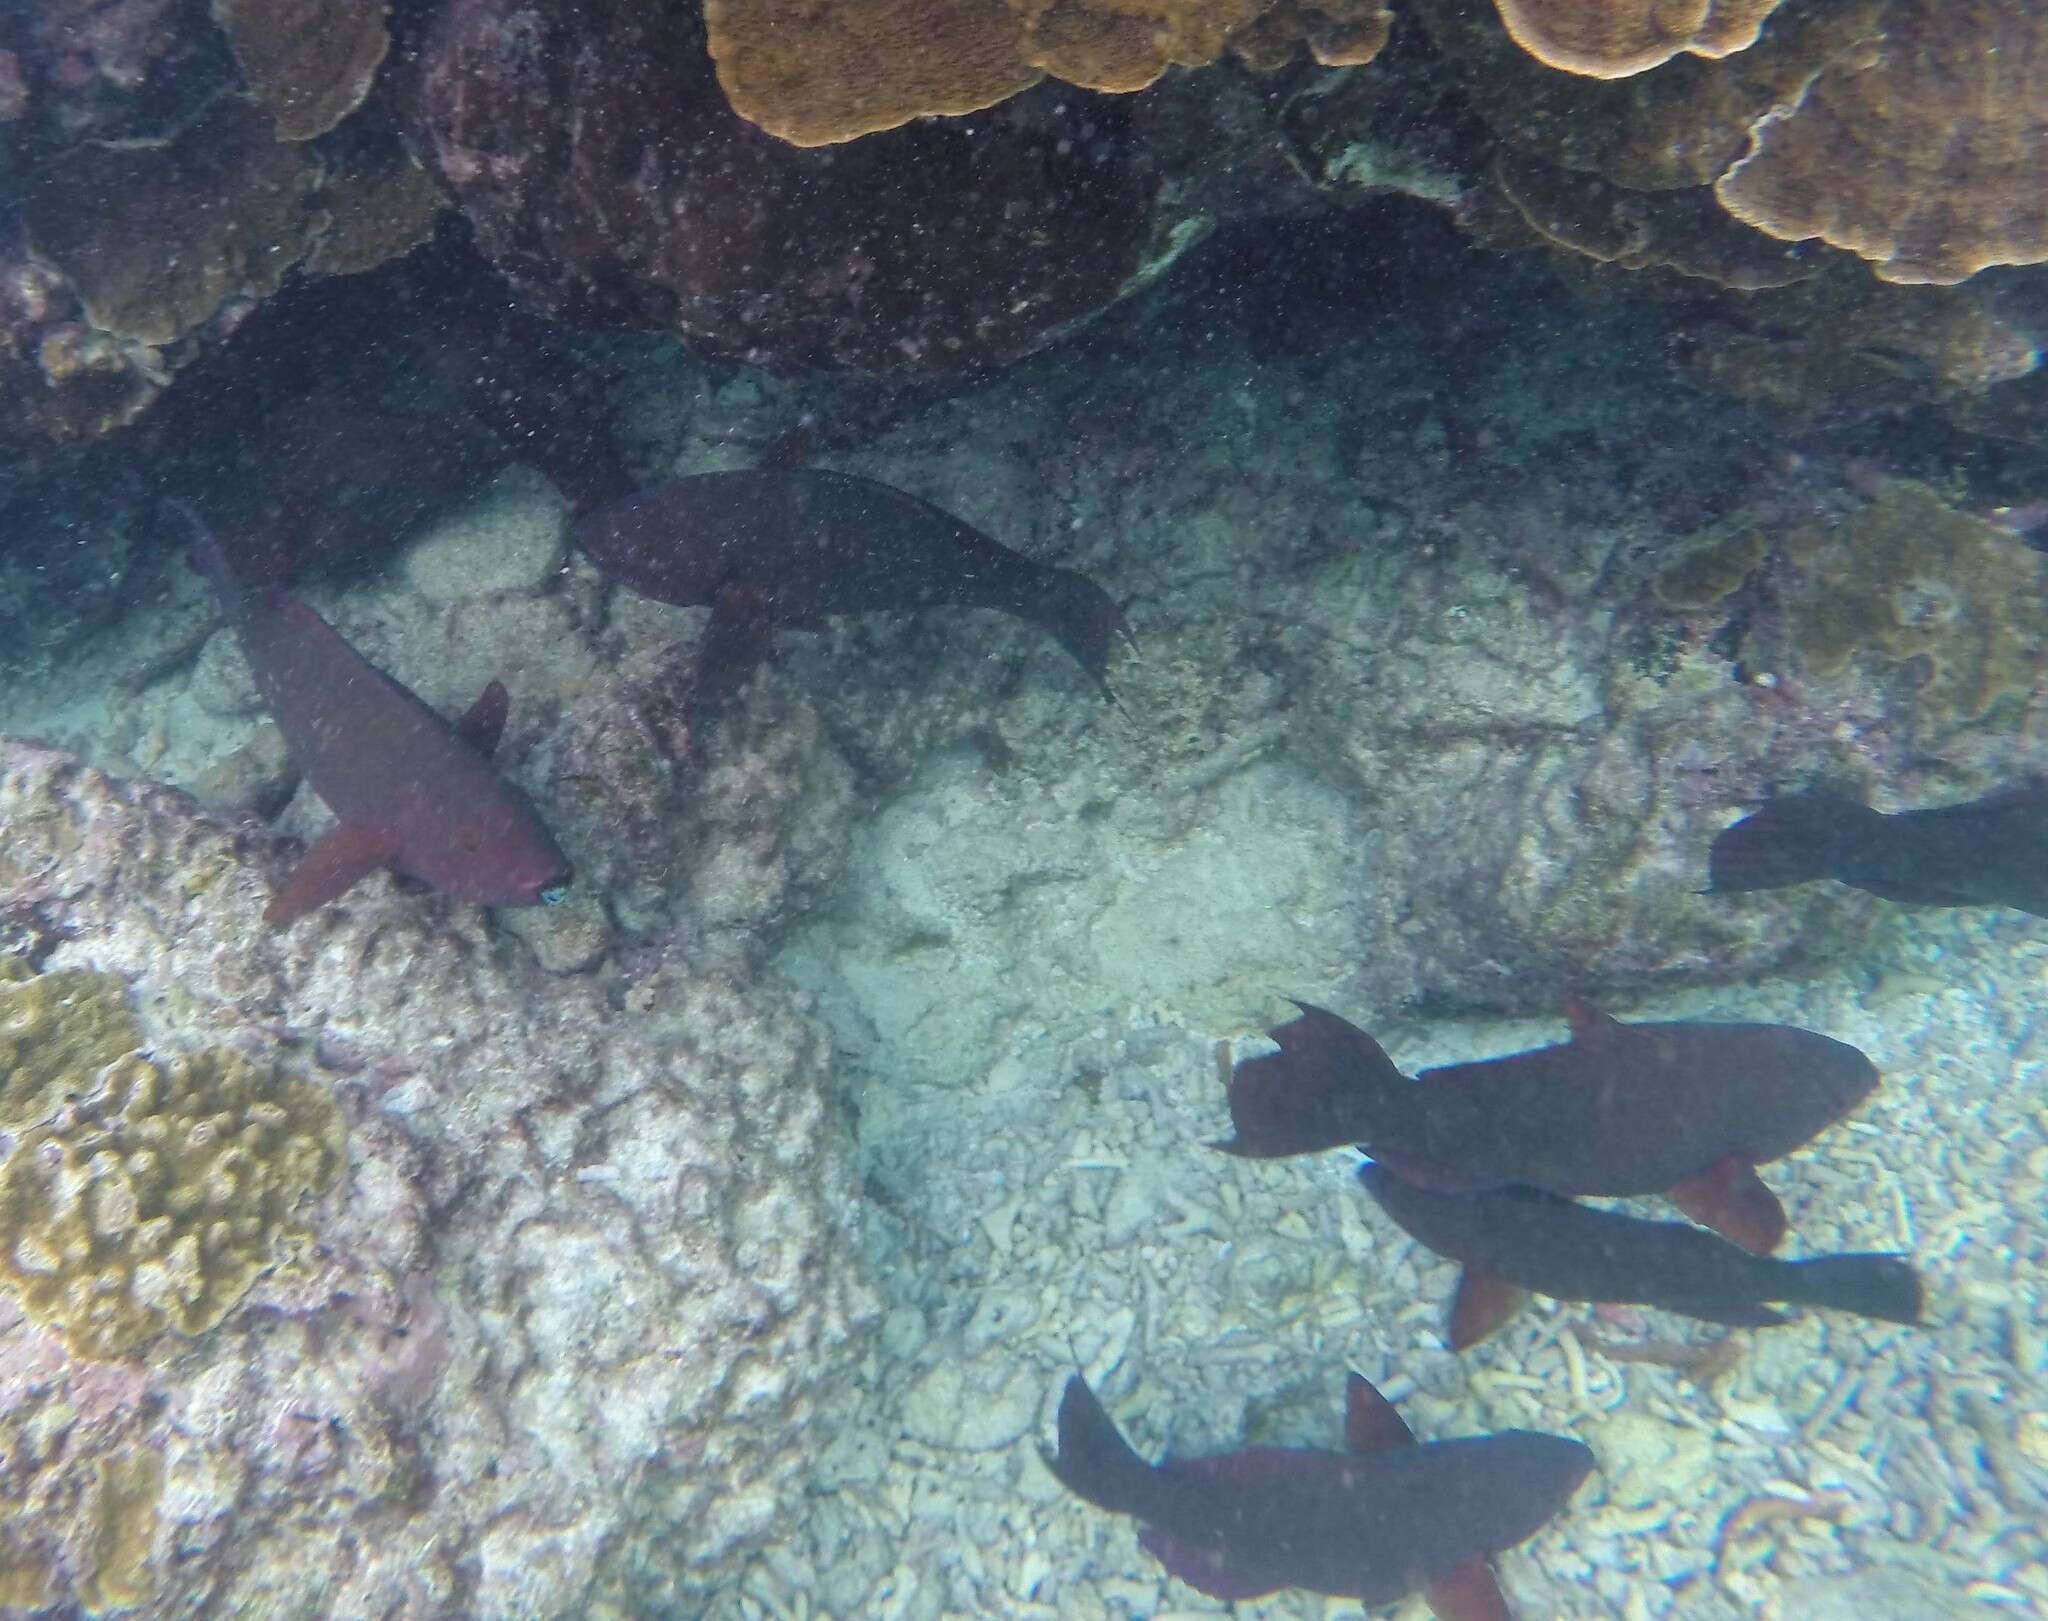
<point x="1884" y="1287"/>
<point x="1789" y="841"/>
<point x="1086" y="621"/>
<point x="1094" y="1461"/>
<point x="1329" y="1085"/>
<point x="210" y="557"/>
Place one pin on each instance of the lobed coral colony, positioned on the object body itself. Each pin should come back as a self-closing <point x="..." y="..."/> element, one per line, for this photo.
<point x="487" y="1245"/>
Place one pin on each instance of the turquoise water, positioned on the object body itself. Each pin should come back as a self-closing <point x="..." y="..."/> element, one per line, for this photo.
<point x="718" y="1238"/>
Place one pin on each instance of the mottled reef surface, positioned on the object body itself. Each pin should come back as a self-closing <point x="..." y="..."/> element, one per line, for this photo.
<point x="1460" y="636"/>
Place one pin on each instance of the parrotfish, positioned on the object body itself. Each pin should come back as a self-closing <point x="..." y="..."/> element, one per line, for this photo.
<point x="1983" y="853"/>
<point x="794" y="545"/>
<point x="1517" y="1241"/>
<point x="1688" y="1110"/>
<point x="1383" y="1519"/>
<point x="408" y="790"/>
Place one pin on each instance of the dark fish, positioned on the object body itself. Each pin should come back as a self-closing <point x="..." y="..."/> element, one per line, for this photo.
<point x="408" y="790"/>
<point x="520" y="380"/>
<point x="1377" y="1522"/>
<point x="1983" y="853"/>
<point x="1515" y="1241"/>
<point x="798" y="545"/>
<point x="1686" y="1110"/>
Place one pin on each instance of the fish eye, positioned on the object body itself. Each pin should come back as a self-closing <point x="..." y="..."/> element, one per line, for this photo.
<point x="554" y="894"/>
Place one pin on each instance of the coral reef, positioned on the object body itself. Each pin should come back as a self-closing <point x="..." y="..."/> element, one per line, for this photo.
<point x="1919" y="154"/>
<point x="309" y="62"/>
<point x="1711" y="567"/>
<point x="1642" y="230"/>
<point x="563" y="1327"/>
<point x="816" y="75"/>
<point x="56" y="1032"/>
<point x="1612" y="39"/>
<point x="59" y="378"/>
<point x="155" y="1200"/>
<point x="177" y="231"/>
<point x="593" y="151"/>
<point x="1909" y="579"/>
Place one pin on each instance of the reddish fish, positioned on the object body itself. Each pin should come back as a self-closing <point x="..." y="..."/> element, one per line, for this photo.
<point x="794" y="545"/>
<point x="408" y="790"/>
<point x="1515" y="1241"/>
<point x="1688" y="1110"/>
<point x="1376" y="1522"/>
<point x="1985" y="852"/>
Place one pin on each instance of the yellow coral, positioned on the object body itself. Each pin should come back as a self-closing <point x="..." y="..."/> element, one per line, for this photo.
<point x="124" y="1531"/>
<point x="1909" y="577"/>
<point x="156" y="1201"/>
<point x="24" y="1576"/>
<point x="56" y="1032"/>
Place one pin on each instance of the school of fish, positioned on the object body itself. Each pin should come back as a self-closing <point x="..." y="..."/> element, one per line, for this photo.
<point x="1485" y="1163"/>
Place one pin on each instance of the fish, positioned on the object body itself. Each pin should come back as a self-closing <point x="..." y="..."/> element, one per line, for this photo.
<point x="797" y="545"/>
<point x="1985" y="852"/>
<point x="1515" y="1241"/>
<point x="1687" y="1110"/>
<point x="1382" y="1519"/>
<point x="408" y="790"/>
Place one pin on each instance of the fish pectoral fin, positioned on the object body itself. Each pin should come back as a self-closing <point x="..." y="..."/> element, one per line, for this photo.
<point x="348" y="852"/>
<point x="1469" y="1593"/>
<point x="1590" y="1027"/>
<point x="1730" y="1197"/>
<point x="1201" y="1568"/>
<point x="736" y="640"/>
<point x="1370" y="1422"/>
<point x="1484" y="1301"/>
<point x="485" y="723"/>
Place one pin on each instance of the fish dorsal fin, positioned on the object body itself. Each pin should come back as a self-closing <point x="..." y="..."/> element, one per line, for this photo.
<point x="1590" y="1027"/>
<point x="485" y="723"/>
<point x="1370" y="1422"/>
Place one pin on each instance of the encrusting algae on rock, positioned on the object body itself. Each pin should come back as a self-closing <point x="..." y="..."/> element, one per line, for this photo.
<point x="1909" y="577"/>
<point x="158" y="1190"/>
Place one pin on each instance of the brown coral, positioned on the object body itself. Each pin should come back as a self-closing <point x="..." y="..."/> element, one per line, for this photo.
<point x="1926" y="155"/>
<point x="309" y="62"/>
<point x="379" y="207"/>
<point x="1909" y="579"/>
<point x="154" y="1202"/>
<point x="1612" y="39"/>
<point x="820" y="73"/>
<point x="855" y="69"/>
<point x="1644" y="230"/>
<point x="157" y="238"/>
<point x="1338" y="33"/>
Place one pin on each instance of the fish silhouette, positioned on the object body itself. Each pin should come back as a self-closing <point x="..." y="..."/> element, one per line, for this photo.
<point x="1384" y="1518"/>
<point x="408" y="790"/>
<point x="1517" y="1241"/>
<point x="1687" y="1110"/>
<point x="795" y="546"/>
<point x="1986" y="852"/>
